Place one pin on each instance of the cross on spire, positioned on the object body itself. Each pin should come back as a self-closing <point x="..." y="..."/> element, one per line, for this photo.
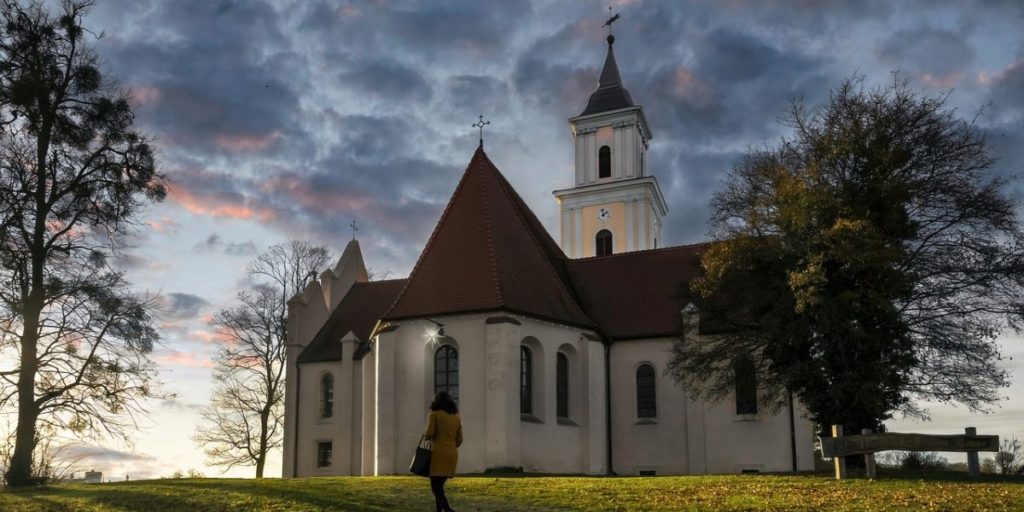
<point x="480" y="124"/>
<point x="354" y="229"/>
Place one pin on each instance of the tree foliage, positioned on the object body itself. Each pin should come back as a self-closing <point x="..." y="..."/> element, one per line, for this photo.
<point x="868" y="260"/>
<point x="73" y="175"/>
<point x="244" y="418"/>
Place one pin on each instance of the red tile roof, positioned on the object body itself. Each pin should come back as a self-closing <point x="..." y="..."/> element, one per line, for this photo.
<point x="357" y="312"/>
<point x="637" y="294"/>
<point x="489" y="252"/>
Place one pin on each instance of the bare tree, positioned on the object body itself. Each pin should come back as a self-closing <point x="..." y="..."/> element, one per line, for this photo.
<point x="1010" y="457"/>
<point x="243" y="420"/>
<point x="73" y="175"/>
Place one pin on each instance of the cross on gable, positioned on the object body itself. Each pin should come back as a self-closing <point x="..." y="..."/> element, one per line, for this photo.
<point x="480" y="124"/>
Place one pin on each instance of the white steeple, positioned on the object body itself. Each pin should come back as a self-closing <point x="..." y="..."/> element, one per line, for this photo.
<point x="615" y="205"/>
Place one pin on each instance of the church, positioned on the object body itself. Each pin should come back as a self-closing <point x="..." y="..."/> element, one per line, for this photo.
<point x="556" y="352"/>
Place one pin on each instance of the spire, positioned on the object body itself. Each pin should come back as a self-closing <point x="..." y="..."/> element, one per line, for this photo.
<point x="610" y="93"/>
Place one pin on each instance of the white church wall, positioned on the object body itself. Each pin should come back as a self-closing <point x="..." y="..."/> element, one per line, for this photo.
<point x="312" y="428"/>
<point x="758" y="442"/>
<point x="693" y="436"/>
<point x="404" y="380"/>
<point x="307" y="313"/>
<point x="658" y="444"/>
<point x="368" y="368"/>
<point x="553" y="445"/>
<point x="495" y="434"/>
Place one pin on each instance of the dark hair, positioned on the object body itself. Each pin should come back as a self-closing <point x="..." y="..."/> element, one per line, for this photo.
<point x="443" y="402"/>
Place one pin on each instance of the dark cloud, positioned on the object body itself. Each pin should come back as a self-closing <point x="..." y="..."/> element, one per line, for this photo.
<point x="99" y="454"/>
<point x="211" y="77"/>
<point x="1008" y="90"/>
<point x="464" y="95"/>
<point x="181" y="306"/>
<point x="175" y="404"/>
<point x="247" y="248"/>
<point x="936" y="56"/>
<point x="464" y="28"/>
<point x="386" y="80"/>
<point x="210" y="243"/>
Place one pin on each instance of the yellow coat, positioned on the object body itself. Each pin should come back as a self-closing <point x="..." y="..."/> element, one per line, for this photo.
<point x="445" y="434"/>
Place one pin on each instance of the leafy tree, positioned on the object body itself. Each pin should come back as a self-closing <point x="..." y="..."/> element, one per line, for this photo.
<point x="244" y="418"/>
<point x="73" y="176"/>
<point x="868" y="260"/>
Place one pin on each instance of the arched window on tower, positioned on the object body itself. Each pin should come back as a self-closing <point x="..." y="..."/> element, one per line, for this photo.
<point x="562" y="385"/>
<point x="327" y="396"/>
<point x="446" y="371"/>
<point x="603" y="243"/>
<point x="746" y="386"/>
<point x="646" y="396"/>
<point x="525" y="381"/>
<point x="604" y="162"/>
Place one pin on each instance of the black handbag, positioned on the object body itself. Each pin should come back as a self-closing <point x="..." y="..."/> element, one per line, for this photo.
<point x="421" y="460"/>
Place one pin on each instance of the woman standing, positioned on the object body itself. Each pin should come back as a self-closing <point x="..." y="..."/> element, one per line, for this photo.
<point x="444" y="430"/>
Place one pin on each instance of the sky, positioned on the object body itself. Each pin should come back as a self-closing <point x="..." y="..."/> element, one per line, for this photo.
<point x="291" y="119"/>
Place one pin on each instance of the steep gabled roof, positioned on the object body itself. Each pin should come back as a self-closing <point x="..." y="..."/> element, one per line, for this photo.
<point x="610" y="93"/>
<point x="489" y="252"/>
<point x="357" y="313"/>
<point x="638" y="294"/>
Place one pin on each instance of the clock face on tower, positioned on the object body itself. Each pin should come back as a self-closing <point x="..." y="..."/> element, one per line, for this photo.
<point x="604" y="214"/>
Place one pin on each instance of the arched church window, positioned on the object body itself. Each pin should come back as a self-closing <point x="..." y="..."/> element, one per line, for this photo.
<point x="746" y="386"/>
<point x="603" y="242"/>
<point x="604" y="162"/>
<point x="327" y="396"/>
<point x="446" y="371"/>
<point x="562" y="385"/>
<point x="646" y="398"/>
<point x="525" y="381"/>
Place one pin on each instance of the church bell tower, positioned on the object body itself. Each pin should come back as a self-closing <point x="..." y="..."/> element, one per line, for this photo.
<point x="615" y="205"/>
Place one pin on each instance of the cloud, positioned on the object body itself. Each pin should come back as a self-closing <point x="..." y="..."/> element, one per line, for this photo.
<point x="210" y="243"/>
<point x="178" y="405"/>
<point x="386" y="80"/>
<point x="164" y="225"/>
<point x="102" y="455"/>
<point x="247" y="248"/>
<point x="938" y="57"/>
<point x="181" y="306"/>
<point x="183" y="358"/>
<point x="216" y="195"/>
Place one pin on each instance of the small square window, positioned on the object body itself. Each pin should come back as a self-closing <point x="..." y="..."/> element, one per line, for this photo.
<point x="323" y="454"/>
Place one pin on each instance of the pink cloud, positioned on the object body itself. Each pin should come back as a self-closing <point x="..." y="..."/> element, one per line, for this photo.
<point x="302" y="191"/>
<point x="163" y="225"/>
<point x="988" y="78"/>
<point x="189" y="359"/>
<point x="685" y="84"/>
<point x="213" y="204"/>
<point x="941" y="82"/>
<point x="247" y="143"/>
<point x="144" y="94"/>
<point x="213" y="337"/>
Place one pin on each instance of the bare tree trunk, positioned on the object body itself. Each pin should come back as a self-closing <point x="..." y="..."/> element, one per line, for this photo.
<point x="261" y="460"/>
<point x="20" y="472"/>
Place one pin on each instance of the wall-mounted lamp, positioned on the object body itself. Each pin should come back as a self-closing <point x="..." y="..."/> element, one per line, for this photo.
<point x="440" y="330"/>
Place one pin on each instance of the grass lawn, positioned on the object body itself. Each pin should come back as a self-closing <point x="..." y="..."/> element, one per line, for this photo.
<point x="728" y="492"/>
